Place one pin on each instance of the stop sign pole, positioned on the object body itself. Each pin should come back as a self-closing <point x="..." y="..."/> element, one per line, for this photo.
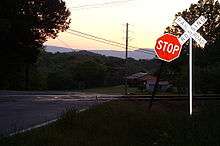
<point x="191" y="34"/>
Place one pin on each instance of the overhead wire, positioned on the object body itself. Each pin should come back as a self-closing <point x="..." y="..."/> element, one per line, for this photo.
<point x="100" y="5"/>
<point x="68" y="46"/>
<point x="86" y="37"/>
<point x="100" y="39"/>
<point x="96" y="37"/>
<point x="146" y="50"/>
<point x="107" y="40"/>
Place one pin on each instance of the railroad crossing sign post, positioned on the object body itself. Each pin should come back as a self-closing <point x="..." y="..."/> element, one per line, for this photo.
<point x="191" y="34"/>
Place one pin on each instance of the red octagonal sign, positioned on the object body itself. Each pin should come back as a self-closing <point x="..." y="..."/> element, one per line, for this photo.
<point x="168" y="47"/>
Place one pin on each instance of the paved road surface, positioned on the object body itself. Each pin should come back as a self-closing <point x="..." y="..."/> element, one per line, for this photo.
<point x="21" y="110"/>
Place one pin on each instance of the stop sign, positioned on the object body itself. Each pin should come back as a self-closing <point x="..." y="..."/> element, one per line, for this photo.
<point x="168" y="47"/>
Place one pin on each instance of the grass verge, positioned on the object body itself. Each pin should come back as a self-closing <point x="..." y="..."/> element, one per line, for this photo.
<point x="129" y="124"/>
<point x="115" y="90"/>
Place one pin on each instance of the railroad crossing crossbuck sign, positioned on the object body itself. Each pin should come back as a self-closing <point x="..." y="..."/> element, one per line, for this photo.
<point x="168" y="47"/>
<point x="190" y="33"/>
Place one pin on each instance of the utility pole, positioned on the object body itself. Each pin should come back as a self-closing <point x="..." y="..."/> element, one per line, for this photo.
<point x="126" y="61"/>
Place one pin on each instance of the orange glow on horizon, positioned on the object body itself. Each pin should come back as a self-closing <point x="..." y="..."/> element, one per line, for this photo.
<point x="147" y="19"/>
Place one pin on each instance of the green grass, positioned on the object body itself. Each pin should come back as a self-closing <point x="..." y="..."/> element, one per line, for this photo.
<point x="120" y="90"/>
<point x="115" y="90"/>
<point x="129" y="123"/>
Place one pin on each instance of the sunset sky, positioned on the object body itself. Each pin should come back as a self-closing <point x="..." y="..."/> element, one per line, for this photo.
<point x="147" y="18"/>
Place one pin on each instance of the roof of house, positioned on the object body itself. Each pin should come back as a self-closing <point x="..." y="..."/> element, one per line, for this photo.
<point x="148" y="77"/>
<point x="164" y="83"/>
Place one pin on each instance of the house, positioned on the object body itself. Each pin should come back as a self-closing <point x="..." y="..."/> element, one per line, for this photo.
<point x="137" y="79"/>
<point x="163" y="86"/>
<point x="147" y="81"/>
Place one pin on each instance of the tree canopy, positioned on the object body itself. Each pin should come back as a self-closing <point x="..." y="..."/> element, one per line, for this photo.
<point x="204" y="59"/>
<point x="28" y="24"/>
<point x="24" y="26"/>
<point x="210" y="9"/>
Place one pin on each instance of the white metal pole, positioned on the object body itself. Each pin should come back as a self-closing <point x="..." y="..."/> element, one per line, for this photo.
<point x="190" y="77"/>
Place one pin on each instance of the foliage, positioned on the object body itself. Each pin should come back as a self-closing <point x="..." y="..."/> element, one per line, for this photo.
<point x="25" y="26"/>
<point x="30" y="23"/>
<point x="203" y="58"/>
<point x="210" y="9"/>
<point x="79" y="70"/>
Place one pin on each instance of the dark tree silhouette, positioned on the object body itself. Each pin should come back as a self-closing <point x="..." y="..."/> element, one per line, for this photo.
<point x="208" y="8"/>
<point x="25" y="26"/>
<point x="202" y="57"/>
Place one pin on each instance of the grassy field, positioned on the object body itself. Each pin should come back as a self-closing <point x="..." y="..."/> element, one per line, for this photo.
<point x="129" y="123"/>
<point x="120" y="90"/>
<point x="115" y="90"/>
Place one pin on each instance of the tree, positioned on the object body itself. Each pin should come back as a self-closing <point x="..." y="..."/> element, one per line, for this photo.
<point x="210" y="31"/>
<point x="208" y="8"/>
<point x="25" y="26"/>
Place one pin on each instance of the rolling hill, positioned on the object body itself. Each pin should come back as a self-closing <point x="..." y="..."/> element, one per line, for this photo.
<point x="136" y="54"/>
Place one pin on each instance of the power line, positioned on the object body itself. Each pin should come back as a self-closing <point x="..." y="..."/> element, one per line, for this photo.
<point x="147" y="50"/>
<point x="96" y="37"/>
<point x="64" y="43"/>
<point x="98" y="5"/>
<point x="150" y="53"/>
<point x="142" y="51"/>
<point x="106" y="40"/>
<point x="86" y="37"/>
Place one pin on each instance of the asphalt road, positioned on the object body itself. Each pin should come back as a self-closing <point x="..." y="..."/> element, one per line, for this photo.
<point x="22" y="110"/>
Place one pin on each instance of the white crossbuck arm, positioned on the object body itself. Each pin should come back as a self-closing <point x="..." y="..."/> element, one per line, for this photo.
<point x="190" y="31"/>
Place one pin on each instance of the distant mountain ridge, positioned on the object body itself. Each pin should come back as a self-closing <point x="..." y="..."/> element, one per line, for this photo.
<point x="55" y="49"/>
<point x="136" y="54"/>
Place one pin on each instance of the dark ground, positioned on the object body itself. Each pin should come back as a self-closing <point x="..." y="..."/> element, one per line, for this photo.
<point x="130" y="123"/>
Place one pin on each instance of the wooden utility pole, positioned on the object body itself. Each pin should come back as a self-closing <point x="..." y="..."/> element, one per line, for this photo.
<point x="126" y="61"/>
